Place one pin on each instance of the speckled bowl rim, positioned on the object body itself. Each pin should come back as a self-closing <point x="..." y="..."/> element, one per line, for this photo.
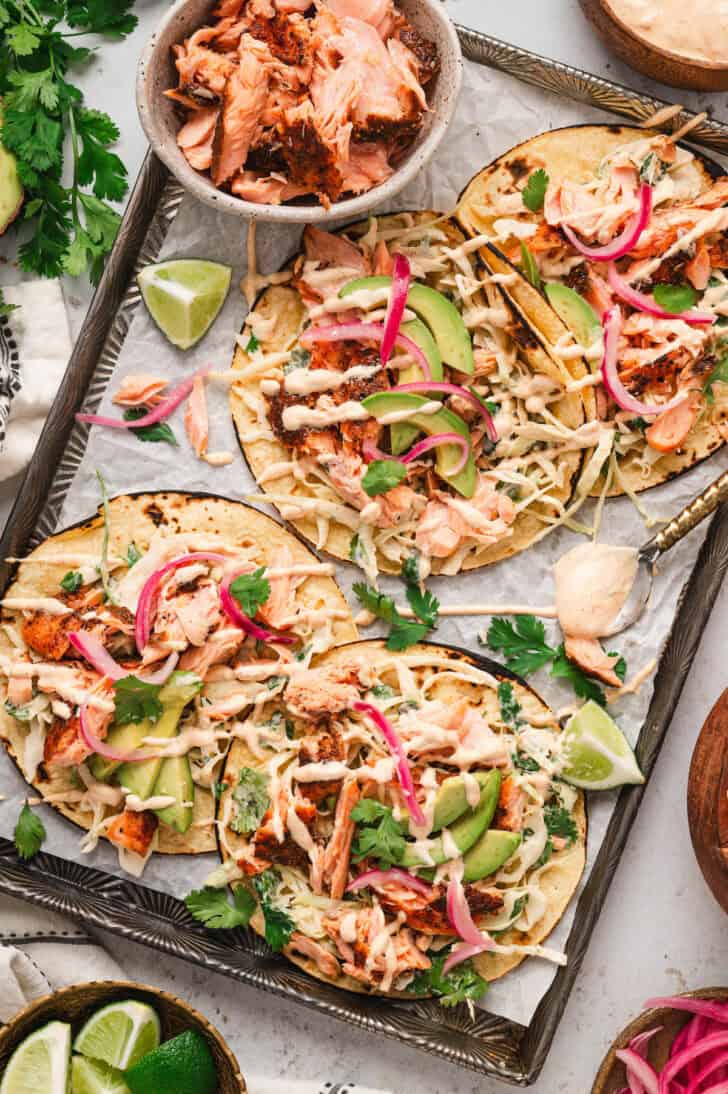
<point x="121" y="987"/>
<point x="660" y="52"/>
<point x="447" y="89"/>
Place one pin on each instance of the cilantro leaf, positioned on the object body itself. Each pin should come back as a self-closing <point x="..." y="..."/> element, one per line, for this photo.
<point x="136" y="700"/>
<point x="674" y="298"/>
<point x="524" y="762"/>
<point x="410" y="571"/>
<point x="133" y="554"/>
<point x="21" y="714"/>
<point x="379" y="835"/>
<point x="718" y="375"/>
<point x="278" y="924"/>
<point x="559" y="822"/>
<point x="404" y="632"/>
<point x="253" y="344"/>
<point x="251" y="591"/>
<point x="159" y="431"/>
<point x="510" y="708"/>
<point x="529" y="266"/>
<point x="29" y="833"/>
<point x="211" y="907"/>
<point x="534" y="191"/>
<point x="382" y="476"/>
<point x="252" y="800"/>
<point x="458" y="985"/>
<point x="72" y="581"/>
<point x="22" y="39"/>
<point x="584" y="686"/>
<point x="423" y="604"/>
<point x="102" y="17"/>
<point x="523" y="644"/>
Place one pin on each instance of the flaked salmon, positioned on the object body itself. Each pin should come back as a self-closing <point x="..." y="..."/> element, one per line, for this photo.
<point x="196" y="418"/>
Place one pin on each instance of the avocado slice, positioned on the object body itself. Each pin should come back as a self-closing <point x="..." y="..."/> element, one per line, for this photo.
<point x="126" y="739"/>
<point x="492" y="850"/>
<point x="579" y="316"/>
<point x="175" y="780"/>
<point x="440" y="314"/>
<point x="465" y="831"/>
<point x="402" y="434"/>
<point x="451" y="799"/>
<point x="180" y="689"/>
<point x="444" y="421"/>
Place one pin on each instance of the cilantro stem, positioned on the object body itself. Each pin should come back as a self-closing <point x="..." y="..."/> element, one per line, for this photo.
<point x="74" y="146"/>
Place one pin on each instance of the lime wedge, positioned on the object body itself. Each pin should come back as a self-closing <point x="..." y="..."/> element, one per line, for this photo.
<point x="40" y="1063"/>
<point x="92" y="1077"/>
<point x="119" y="1034"/>
<point x="184" y="297"/>
<point x="596" y="751"/>
<point x="183" y="1065"/>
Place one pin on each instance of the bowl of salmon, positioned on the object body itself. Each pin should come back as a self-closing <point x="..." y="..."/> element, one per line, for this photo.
<point x="299" y="110"/>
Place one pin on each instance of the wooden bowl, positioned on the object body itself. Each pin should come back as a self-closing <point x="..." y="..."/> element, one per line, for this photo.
<point x="661" y="64"/>
<point x="708" y="800"/>
<point x="612" y="1076"/>
<point x="76" y="1003"/>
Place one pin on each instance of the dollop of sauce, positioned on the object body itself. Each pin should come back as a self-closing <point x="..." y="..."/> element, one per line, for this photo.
<point x="698" y="30"/>
<point x="592" y="584"/>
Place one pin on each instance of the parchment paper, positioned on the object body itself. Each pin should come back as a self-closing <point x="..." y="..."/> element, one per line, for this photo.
<point x="494" y="113"/>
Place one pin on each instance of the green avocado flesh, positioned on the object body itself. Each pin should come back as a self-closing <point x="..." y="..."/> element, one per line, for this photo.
<point x="580" y="317"/>
<point x="452" y="801"/>
<point x="440" y="315"/>
<point x="492" y="850"/>
<point x="403" y="434"/>
<point x="465" y="831"/>
<point x="447" y="456"/>
<point x="143" y="779"/>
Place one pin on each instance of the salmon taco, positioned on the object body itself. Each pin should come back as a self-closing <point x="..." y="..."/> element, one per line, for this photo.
<point x="130" y="646"/>
<point x="391" y="400"/>
<point x="624" y="235"/>
<point x="400" y="821"/>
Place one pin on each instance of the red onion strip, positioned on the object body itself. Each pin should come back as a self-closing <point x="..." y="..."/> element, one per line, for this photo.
<point x="396" y="306"/>
<point x="158" y="414"/>
<point x="234" y="612"/>
<point x="718" y="1012"/>
<point x="93" y="650"/>
<point x="363" y="332"/>
<point x="610" y="377"/>
<point x="681" y="1059"/>
<point x="624" y="242"/>
<point x="458" y="913"/>
<point x="647" y="304"/>
<point x="461" y="953"/>
<point x="95" y="744"/>
<point x="454" y="389"/>
<point x="371" y="452"/>
<point x="146" y="605"/>
<point x="641" y="1076"/>
<point x="395" y="876"/>
<point x="403" y="769"/>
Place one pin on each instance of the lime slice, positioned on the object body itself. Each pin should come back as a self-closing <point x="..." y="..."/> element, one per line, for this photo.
<point x="184" y="297"/>
<point x="597" y="754"/>
<point x="183" y="1065"/>
<point x="119" y="1034"/>
<point x="92" y="1077"/>
<point x="40" y="1063"/>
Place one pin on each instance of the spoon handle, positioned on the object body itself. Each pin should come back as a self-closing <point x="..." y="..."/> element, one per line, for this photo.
<point x="691" y="516"/>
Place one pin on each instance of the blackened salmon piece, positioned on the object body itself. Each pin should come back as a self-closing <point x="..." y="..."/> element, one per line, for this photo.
<point x="287" y="853"/>
<point x="578" y="279"/>
<point x="400" y="131"/>
<point x="48" y="634"/>
<point x="311" y="164"/>
<point x="323" y="747"/>
<point x="133" y="831"/>
<point x="266" y="155"/>
<point x="288" y="39"/>
<point x="430" y="916"/>
<point x="64" y="745"/>
<point x="671" y="271"/>
<point x="425" y="51"/>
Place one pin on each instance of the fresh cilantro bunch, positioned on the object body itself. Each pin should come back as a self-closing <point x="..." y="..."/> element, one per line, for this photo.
<point x="44" y="117"/>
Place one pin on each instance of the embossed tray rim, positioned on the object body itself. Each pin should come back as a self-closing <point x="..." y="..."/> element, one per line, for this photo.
<point x="481" y="1042"/>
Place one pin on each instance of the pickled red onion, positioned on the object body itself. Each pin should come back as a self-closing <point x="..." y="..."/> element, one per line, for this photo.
<point x="93" y="649"/>
<point x="647" y="304"/>
<point x="146" y="605"/>
<point x="92" y="741"/>
<point x="371" y="452"/>
<point x="363" y="332"/>
<point x="638" y="1069"/>
<point x="157" y="414"/>
<point x="624" y="242"/>
<point x="616" y="390"/>
<point x="396" y="306"/>
<point x="461" y="392"/>
<point x="234" y="612"/>
<point x="461" y="920"/>
<point x="718" y="1012"/>
<point x="394" y="876"/>
<point x="396" y="747"/>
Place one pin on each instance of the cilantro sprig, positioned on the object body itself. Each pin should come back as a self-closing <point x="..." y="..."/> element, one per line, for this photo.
<point x="29" y="833"/>
<point x="278" y="924"/>
<point x="136" y="700"/>
<point x="251" y="590"/>
<point x="460" y="984"/>
<point x="382" y="476"/>
<point x="379" y="835"/>
<point x="674" y="298"/>
<point x="403" y="632"/>
<point x="159" y="431"/>
<point x="524" y="646"/>
<point x="212" y="907"/>
<point x="534" y="192"/>
<point x="73" y="226"/>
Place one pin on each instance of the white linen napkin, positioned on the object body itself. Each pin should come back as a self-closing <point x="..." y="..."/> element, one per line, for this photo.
<point x="34" y="960"/>
<point x="35" y="345"/>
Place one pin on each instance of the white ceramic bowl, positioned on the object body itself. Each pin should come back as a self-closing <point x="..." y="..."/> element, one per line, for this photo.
<point x="161" y="120"/>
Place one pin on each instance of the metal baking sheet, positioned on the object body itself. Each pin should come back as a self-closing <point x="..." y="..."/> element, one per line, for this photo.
<point x="482" y="1042"/>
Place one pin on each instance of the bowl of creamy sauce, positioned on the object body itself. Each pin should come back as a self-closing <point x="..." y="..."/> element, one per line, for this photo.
<point x="681" y="43"/>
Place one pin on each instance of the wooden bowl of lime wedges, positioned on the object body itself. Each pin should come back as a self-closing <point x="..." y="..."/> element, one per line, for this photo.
<point x="113" y="1037"/>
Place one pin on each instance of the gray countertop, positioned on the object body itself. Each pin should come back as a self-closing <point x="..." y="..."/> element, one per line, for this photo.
<point x="660" y="930"/>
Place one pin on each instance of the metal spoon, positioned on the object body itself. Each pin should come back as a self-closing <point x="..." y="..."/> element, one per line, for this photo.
<point x="690" y="517"/>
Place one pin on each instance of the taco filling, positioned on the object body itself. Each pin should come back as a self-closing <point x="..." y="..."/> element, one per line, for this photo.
<point x="130" y="647"/>
<point x="624" y="234"/>
<point x="391" y="400"/>
<point x="397" y="817"/>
